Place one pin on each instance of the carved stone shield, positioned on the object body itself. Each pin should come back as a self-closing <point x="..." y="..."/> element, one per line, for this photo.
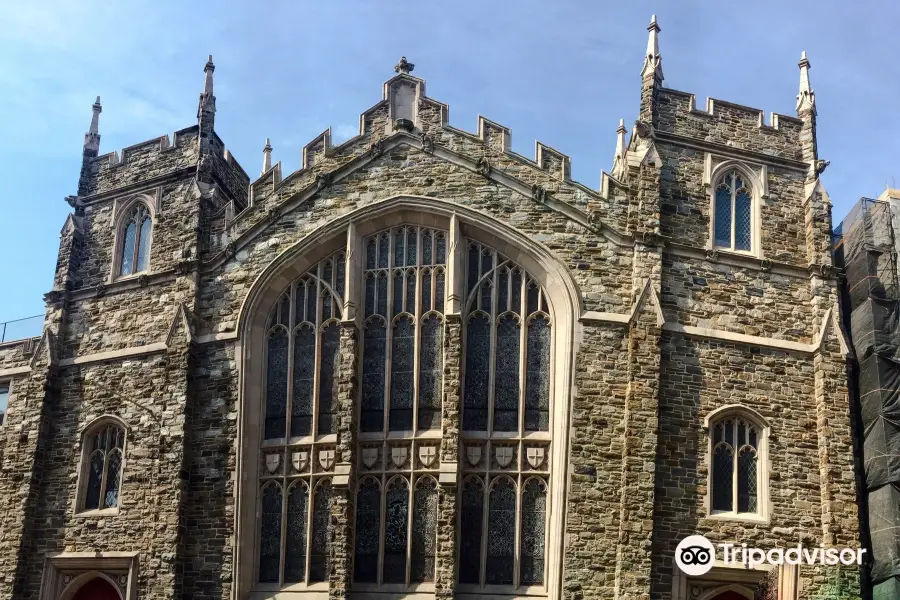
<point x="535" y="457"/>
<point x="399" y="455"/>
<point x="300" y="460"/>
<point x="504" y="455"/>
<point x="272" y="462"/>
<point x="326" y="459"/>
<point x="427" y="455"/>
<point x="369" y="457"/>
<point x="473" y="453"/>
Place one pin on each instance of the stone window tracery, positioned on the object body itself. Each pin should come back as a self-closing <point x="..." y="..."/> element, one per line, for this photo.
<point x="134" y="253"/>
<point x="103" y="458"/>
<point x="733" y="213"/>
<point x="736" y="466"/>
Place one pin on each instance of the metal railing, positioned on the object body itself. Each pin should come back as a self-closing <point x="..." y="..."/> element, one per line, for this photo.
<point x="20" y="329"/>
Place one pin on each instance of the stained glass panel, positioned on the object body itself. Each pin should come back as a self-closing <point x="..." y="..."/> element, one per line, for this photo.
<point x="402" y="349"/>
<point x="397" y="296"/>
<point x="374" y="346"/>
<point x="506" y="376"/>
<point x="472" y="268"/>
<point x="319" y="551"/>
<point x="383" y="251"/>
<point x="411" y="291"/>
<point x="471" y="527"/>
<point x="537" y="376"/>
<point x="328" y="379"/>
<point x="399" y="252"/>
<point x="95" y="481"/>
<point x="426" y="291"/>
<point x="424" y="530"/>
<point x="143" y="257"/>
<point x="477" y="373"/>
<point x="368" y="526"/>
<point x="430" y="373"/>
<point x="304" y="368"/>
<point x="742" y="231"/>
<point x="723" y="216"/>
<point x="747" y="480"/>
<point x="723" y="484"/>
<point x="128" y="249"/>
<point x="534" y="512"/>
<point x="501" y="533"/>
<point x="396" y="514"/>
<point x="270" y="535"/>
<point x="113" y="473"/>
<point x="295" y="544"/>
<point x="439" y="290"/>
<point x="427" y="253"/>
<point x="276" y="383"/>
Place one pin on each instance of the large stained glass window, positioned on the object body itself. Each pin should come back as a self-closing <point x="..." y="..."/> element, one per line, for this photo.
<point x="104" y="446"/>
<point x="734" y="466"/>
<point x="505" y="434"/>
<point x="134" y="254"/>
<point x="733" y="215"/>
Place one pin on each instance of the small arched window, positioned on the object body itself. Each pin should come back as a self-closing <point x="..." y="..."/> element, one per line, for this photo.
<point x="104" y="445"/>
<point x="736" y="466"/>
<point x="733" y="213"/>
<point x="134" y="254"/>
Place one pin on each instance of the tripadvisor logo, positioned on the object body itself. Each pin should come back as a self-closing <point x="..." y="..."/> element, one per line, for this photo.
<point x="696" y="555"/>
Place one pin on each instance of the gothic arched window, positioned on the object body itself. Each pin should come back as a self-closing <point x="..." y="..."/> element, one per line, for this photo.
<point x="733" y="213"/>
<point x="103" y="448"/>
<point x="735" y="466"/>
<point x="505" y="425"/>
<point x="134" y="256"/>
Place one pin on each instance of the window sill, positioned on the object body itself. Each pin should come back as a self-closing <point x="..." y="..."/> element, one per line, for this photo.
<point x="505" y="435"/>
<point x="501" y="590"/>
<point x="732" y="252"/>
<point x="739" y="517"/>
<point x="393" y="588"/>
<point x="97" y="513"/>
<point x="129" y="277"/>
<point x="377" y="436"/>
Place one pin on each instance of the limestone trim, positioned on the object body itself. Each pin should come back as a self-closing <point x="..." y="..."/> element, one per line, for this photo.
<point x="133" y="352"/>
<point x="564" y="303"/>
<point x="65" y="573"/>
<point x="13" y="371"/>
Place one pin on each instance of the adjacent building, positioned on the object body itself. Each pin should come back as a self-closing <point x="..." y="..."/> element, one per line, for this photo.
<point x="426" y="366"/>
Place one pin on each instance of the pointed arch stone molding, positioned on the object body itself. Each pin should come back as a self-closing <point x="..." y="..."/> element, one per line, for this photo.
<point x="564" y="303"/>
<point x="83" y="566"/>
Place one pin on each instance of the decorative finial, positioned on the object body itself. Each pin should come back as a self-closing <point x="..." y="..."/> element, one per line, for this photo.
<point x="267" y="157"/>
<point x="806" y="99"/>
<point x="404" y="66"/>
<point x="92" y="137"/>
<point x="618" y="168"/>
<point x="652" y="58"/>
<point x="208" y="80"/>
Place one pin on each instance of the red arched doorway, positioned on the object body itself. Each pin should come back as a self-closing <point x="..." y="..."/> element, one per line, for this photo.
<point x="729" y="596"/>
<point x="97" y="589"/>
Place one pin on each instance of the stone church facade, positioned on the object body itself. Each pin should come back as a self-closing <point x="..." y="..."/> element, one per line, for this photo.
<point x="425" y="366"/>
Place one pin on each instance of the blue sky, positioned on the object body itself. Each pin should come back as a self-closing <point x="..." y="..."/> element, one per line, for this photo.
<point x="563" y="72"/>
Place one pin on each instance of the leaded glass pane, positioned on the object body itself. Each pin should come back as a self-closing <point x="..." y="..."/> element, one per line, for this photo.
<point x="128" y="249"/>
<point x="486" y="300"/>
<point x="270" y="535"/>
<point x="113" y="473"/>
<point x="381" y="305"/>
<point x="439" y="290"/>
<point x="396" y="514"/>
<point x="503" y="291"/>
<point x="374" y="346"/>
<point x="471" y="527"/>
<point x="368" y="525"/>
<point x="304" y="367"/>
<point x="501" y="533"/>
<point x="95" y="480"/>
<point x="430" y="373"/>
<point x="327" y="305"/>
<point x="477" y="373"/>
<point x="411" y="291"/>
<point x="441" y="249"/>
<point x="295" y="544"/>
<point x="276" y="383"/>
<point x="742" y="230"/>
<point x="473" y="273"/>
<point x="533" y="297"/>
<point x="747" y="480"/>
<point x="537" y="376"/>
<point x="723" y="484"/>
<point x="312" y="294"/>
<point x="427" y="254"/>
<point x="397" y="297"/>
<point x="424" y="530"/>
<point x="399" y="253"/>
<point x="723" y="216"/>
<point x="411" y="246"/>
<point x="426" y="291"/>
<point x="402" y="349"/>
<point x="371" y="253"/>
<point x="506" y="376"/>
<point x="370" y="294"/>
<point x="319" y="551"/>
<point x="516" y="302"/>
<point x="383" y="251"/>
<point x="534" y="511"/>
<point x="143" y="257"/>
<point x="328" y="379"/>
